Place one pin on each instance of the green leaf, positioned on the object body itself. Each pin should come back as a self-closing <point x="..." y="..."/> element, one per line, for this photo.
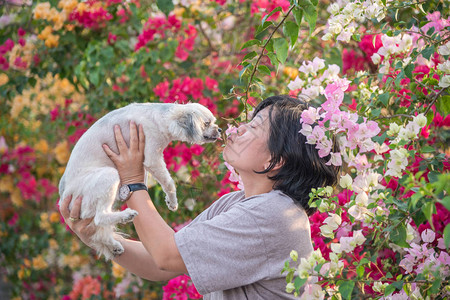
<point x="360" y="271"/>
<point x="428" y="210"/>
<point x="398" y="235"/>
<point x="408" y="70"/>
<point x="310" y="14"/>
<point x="389" y="290"/>
<point x="428" y="51"/>
<point x="446" y="202"/>
<point x="263" y="27"/>
<point x="166" y="6"/>
<point x="447" y="236"/>
<point x="290" y="29"/>
<point x="277" y="9"/>
<point x="244" y="69"/>
<point x="299" y="282"/>
<point x="264" y="69"/>
<point x="346" y="288"/>
<point x="94" y="77"/>
<point x="298" y="14"/>
<point x="400" y="76"/>
<point x="443" y="105"/>
<point x="384" y="98"/>
<point x="249" y="55"/>
<point x="427" y="149"/>
<point x="281" y="46"/>
<point x="250" y="43"/>
<point x="273" y="59"/>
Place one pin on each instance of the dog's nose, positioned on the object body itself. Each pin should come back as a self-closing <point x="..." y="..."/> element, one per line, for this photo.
<point x="219" y="130"/>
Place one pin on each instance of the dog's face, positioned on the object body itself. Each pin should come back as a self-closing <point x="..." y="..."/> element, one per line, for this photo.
<point x="195" y="124"/>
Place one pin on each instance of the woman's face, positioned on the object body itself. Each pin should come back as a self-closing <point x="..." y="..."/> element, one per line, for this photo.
<point x="247" y="150"/>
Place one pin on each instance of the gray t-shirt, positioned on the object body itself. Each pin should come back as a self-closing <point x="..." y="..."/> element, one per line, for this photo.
<point x="237" y="247"/>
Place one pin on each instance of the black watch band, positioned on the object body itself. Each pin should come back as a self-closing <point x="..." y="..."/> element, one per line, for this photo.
<point x="137" y="187"/>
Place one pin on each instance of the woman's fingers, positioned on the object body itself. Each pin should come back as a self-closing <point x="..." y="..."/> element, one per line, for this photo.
<point x="64" y="207"/>
<point x="121" y="144"/>
<point x="111" y="154"/>
<point x="134" y="139"/>
<point x="141" y="138"/>
<point x="76" y="208"/>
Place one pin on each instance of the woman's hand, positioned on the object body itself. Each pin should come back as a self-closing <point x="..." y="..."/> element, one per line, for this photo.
<point x="130" y="160"/>
<point x="83" y="228"/>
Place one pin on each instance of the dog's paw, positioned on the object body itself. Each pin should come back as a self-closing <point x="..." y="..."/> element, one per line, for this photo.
<point x="117" y="251"/>
<point x="130" y="217"/>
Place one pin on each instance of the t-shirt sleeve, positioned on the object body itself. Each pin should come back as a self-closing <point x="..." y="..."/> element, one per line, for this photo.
<point x="224" y="252"/>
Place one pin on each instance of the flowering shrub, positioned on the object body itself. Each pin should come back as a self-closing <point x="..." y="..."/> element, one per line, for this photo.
<point x="375" y="72"/>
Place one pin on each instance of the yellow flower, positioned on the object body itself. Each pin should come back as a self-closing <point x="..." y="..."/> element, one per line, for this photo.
<point x="52" y="41"/>
<point x="62" y="152"/>
<point x="291" y="72"/>
<point x="54" y="217"/>
<point x="45" y="224"/>
<point x="39" y="263"/>
<point x="53" y="244"/>
<point x="23" y="273"/>
<point x="27" y="262"/>
<point x="117" y="270"/>
<point x="41" y="10"/>
<point x="75" y="246"/>
<point x="42" y="146"/>
<point x="3" y="79"/>
<point x="45" y="33"/>
<point x="81" y="8"/>
<point x="23" y="237"/>
<point x="68" y="5"/>
<point x="7" y="184"/>
<point x="16" y="198"/>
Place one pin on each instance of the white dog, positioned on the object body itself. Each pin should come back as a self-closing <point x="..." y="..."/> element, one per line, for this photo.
<point x="91" y="174"/>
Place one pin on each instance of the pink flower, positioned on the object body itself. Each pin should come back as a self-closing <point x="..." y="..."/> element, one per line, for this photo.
<point x="21" y="32"/>
<point x="161" y="89"/>
<point x="310" y="115"/>
<point x="211" y="84"/>
<point x="180" y="288"/>
<point x="112" y="38"/>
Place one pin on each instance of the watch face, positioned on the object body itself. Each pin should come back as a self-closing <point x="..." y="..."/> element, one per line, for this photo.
<point x="124" y="191"/>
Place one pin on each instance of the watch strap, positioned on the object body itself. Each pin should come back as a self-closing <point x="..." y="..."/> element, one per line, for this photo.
<point x="137" y="187"/>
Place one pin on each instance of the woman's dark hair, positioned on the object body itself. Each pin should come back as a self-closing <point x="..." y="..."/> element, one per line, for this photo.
<point x="302" y="169"/>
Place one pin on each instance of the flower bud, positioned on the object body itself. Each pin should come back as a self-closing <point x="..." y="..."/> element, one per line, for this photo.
<point x="294" y="255"/>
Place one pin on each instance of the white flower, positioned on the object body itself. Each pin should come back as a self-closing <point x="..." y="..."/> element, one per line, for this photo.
<point x="190" y="204"/>
<point x="445" y="81"/>
<point x="428" y="236"/>
<point x="327" y="36"/>
<point x="346" y="181"/>
<point x="294" y="255"/>
<point x="362" y="199"/>
<point x="331" y="223"/>
<point x="290" y="287"/>
<point x="393" y="129"/>
<point x="376" y="58"/>
<point x="296" y="84"/>
<point x="444" y="67"/>
<point x="420" y="120"/>
<point x="336" y="247"/>
<point x="334" y="8"/>
<point x="379" y="149"/>
<point x="335" y="28"/>
<point x="444" y="49"/>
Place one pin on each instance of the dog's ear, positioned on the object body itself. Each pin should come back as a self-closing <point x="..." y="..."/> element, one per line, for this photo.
<point x="186" y="121"/>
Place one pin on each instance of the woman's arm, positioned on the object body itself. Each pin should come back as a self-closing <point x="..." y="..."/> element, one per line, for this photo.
<point x="156" y="236"/>
<point x="135" y="259"/>
<point x="138" y="261"/>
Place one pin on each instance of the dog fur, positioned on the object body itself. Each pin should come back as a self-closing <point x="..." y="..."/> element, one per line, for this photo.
<point x="91" y="174"/>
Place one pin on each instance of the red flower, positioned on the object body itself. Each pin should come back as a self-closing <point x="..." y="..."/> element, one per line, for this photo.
<point x="369" y="46"/>
<point x="21" y="32"/>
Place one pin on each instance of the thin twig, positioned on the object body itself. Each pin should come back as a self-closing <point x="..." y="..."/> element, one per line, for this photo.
<point x="261" y="55"/>
<point x="207" y="38"/>
<point x="394" y="116"/>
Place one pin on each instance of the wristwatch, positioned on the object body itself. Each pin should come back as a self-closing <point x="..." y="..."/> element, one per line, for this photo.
<point x="126" y="190"/>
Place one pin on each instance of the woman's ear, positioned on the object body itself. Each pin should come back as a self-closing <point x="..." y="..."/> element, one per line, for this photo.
<point x="276" y="167"/>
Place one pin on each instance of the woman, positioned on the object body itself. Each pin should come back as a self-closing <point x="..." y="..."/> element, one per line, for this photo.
<point x="237" y="247"/>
